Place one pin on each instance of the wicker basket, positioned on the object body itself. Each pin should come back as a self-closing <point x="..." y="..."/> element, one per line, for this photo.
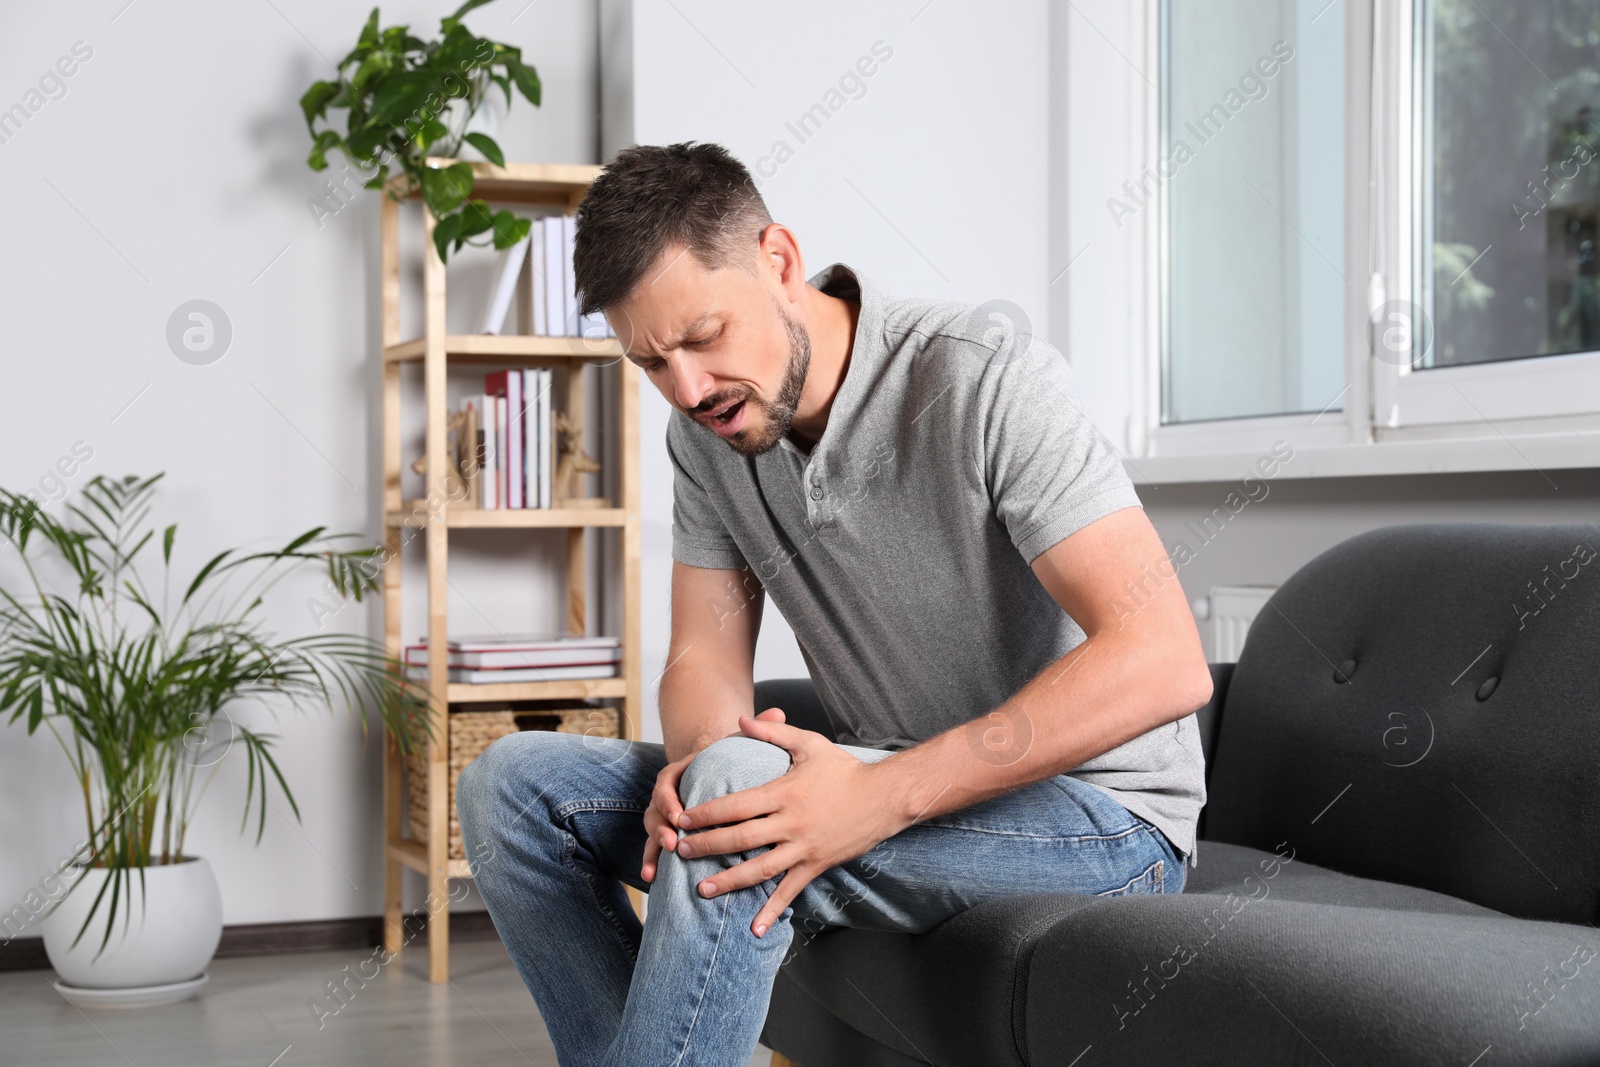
<point x="473" y="731"/>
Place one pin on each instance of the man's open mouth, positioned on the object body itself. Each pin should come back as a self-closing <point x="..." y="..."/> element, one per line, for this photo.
<point x="727" y="413"/>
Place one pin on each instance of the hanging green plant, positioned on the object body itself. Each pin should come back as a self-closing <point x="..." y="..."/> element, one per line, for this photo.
<point x="405" y="100"/>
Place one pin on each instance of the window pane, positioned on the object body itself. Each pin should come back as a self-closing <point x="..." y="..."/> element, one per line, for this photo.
<point x="1252" y="165"/>
<point x="1510" y="128"/>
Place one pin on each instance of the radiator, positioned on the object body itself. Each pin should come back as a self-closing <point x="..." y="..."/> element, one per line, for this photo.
<point x="1228" y="611"/>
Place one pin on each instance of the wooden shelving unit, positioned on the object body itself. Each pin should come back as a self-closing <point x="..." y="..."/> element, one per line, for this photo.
<point x="561" y="186"/>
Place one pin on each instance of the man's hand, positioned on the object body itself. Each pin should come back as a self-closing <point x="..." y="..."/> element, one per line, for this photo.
<point x="665" y="807"/>
<point x="829" y="808"/>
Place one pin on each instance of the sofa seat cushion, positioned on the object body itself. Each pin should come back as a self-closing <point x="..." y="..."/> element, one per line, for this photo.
<point x="1258" y="960"/>
<point x="1225" y="869"/>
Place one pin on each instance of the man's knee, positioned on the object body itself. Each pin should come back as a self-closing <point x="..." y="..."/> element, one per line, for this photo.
<point x="729" y="765"/>
<point x="493" y="776"/>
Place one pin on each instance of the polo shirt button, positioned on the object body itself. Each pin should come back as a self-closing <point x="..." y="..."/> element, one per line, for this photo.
<point x="816" y="492"/>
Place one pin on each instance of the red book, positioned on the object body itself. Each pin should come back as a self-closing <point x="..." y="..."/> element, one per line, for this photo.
<point x="507" y="386"/>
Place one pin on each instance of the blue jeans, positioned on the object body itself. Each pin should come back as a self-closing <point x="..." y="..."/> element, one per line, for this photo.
<point x="553" y="826"/>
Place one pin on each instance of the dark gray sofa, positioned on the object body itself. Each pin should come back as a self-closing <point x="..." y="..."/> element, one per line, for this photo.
<point x="1399" y="858"/>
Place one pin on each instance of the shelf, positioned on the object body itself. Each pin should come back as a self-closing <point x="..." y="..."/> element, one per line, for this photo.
<point x="572" y="689"/>
<point x="562" y="184"/>
<point x="495" y="348"/>
<point x="416" y="511"/>
<point x="576" y="361"/>
<point x="414" y="854"/>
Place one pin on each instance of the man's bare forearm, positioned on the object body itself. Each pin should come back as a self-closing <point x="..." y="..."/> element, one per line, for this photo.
<point x="1108" y="690"/>
<point x="700" y="703"/>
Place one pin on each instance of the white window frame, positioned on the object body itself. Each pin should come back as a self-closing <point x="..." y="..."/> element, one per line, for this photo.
<point x="1541" y="412"/>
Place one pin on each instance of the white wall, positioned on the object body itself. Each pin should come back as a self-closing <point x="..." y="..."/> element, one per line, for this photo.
<point x="173" y="169"/>
<point x="932" y="181"/>
<point x="181" y="152"/>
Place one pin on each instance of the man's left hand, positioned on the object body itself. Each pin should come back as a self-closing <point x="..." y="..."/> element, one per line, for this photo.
<point x="829" y="808"/>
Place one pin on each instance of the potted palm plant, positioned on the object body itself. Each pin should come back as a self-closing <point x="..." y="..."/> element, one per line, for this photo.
<point x="135" y="681"/>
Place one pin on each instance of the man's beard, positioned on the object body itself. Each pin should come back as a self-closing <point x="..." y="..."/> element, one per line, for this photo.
<point x="778" y="413"/>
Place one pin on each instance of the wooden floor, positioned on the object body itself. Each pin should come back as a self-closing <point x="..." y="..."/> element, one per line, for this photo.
<point x="256" y="1012"/>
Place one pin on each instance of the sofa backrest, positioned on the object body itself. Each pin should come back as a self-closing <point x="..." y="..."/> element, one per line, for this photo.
<point x="1421" y="704"/>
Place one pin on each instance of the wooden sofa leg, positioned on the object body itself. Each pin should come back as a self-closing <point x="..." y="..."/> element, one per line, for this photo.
<point x="780" y="1060"/>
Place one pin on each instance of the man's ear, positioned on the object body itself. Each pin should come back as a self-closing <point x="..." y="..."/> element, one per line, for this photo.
<point x="780" y="254"/>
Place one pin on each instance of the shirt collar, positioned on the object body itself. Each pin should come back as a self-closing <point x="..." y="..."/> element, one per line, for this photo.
<point x="845" y="282"/>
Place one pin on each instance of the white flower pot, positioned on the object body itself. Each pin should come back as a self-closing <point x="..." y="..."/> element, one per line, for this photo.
<point x="166" y="932"/>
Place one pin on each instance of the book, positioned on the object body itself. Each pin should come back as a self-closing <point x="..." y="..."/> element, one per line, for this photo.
<point x="502" y="489"/>
<point x="506" y="388"/>
<point x="535" y="279"/>
<point x="488" y="433"/>
<point x="569" y="295"/>
<point x="533" y="387"/>
<point x="506" y="658"/>
<point x="546" y="439"/>
<point x="518" y="674"/>
<point x="553" y="274"/>
<point x="494" y="316"/>
<point x="497" y="641"/>
<point x="468" y="455"/>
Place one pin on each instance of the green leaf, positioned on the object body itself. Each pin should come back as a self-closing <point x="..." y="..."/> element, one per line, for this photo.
<point x="314" y="102"/>
<point x="450" y="22"/>
<point x="526" y="78"/>
<point x="445" y="189"/>
<point x="305" y="538"/>
<point x="485" y="144"/>
<point x="369" y="32"/>
<point x="431" y="133"/>
<point x="376" y="64"/>
<point x="445" y="232"/>
<point x="166" y="543"/>
<point x="318" y="159"/>
<point x="404" y="96"/>
<point x="475" y="219"/>
<point x="200" y="578"/>
<point x="509" y="229"/>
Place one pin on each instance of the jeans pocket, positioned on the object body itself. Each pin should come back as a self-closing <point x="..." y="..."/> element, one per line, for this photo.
<point x="1147" y="882"/>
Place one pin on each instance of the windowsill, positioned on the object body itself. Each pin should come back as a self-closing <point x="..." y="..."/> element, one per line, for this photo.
<point x="1551" y="451"/>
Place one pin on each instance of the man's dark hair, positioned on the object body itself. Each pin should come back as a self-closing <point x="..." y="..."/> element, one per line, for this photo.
<point x="655" y="197"/>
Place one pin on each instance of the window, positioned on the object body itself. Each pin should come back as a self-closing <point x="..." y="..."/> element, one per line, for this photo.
<point x="1378" y="220"/>
<point x="1251" y="160"/>
<point x="1509" y="105"/>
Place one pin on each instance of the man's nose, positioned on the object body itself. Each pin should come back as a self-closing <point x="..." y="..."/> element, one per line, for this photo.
<point x="691" y="384"/>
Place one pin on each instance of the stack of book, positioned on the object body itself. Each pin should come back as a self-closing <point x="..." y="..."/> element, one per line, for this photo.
<point x="504" y="441"/>
<point x="542" y="263"/>
<point x="522" y="659"/>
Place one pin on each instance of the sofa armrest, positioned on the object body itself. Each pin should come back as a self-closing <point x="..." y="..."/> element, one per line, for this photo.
<point x="802" y="708"/>
<point x="1210" y="716"/>
<point x="1209" y="719"/>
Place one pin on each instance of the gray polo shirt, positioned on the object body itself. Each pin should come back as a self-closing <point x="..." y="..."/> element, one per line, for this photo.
<point x="899" y="548"/>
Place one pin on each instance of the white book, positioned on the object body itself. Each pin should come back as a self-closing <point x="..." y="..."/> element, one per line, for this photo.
<point x="569" y="294"/>
<point x="553" y="273"/>
<point x="494" y="317"/>
<point x="532" y="384"/>
<point x="515" y="441"/>
<point x="546" y="438"/>
<point x="489" y="497"/>
<point x="519" y="659"/>
<point x="542" y="639"/>
<point x="536" y="278"/>
<point x="473" y="676"/>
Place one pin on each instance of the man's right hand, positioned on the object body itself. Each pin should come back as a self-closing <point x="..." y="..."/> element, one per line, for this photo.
<point x="661" y="818"/>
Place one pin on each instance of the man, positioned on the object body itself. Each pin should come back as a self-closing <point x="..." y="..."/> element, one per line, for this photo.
<point x="988" y="616"/>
